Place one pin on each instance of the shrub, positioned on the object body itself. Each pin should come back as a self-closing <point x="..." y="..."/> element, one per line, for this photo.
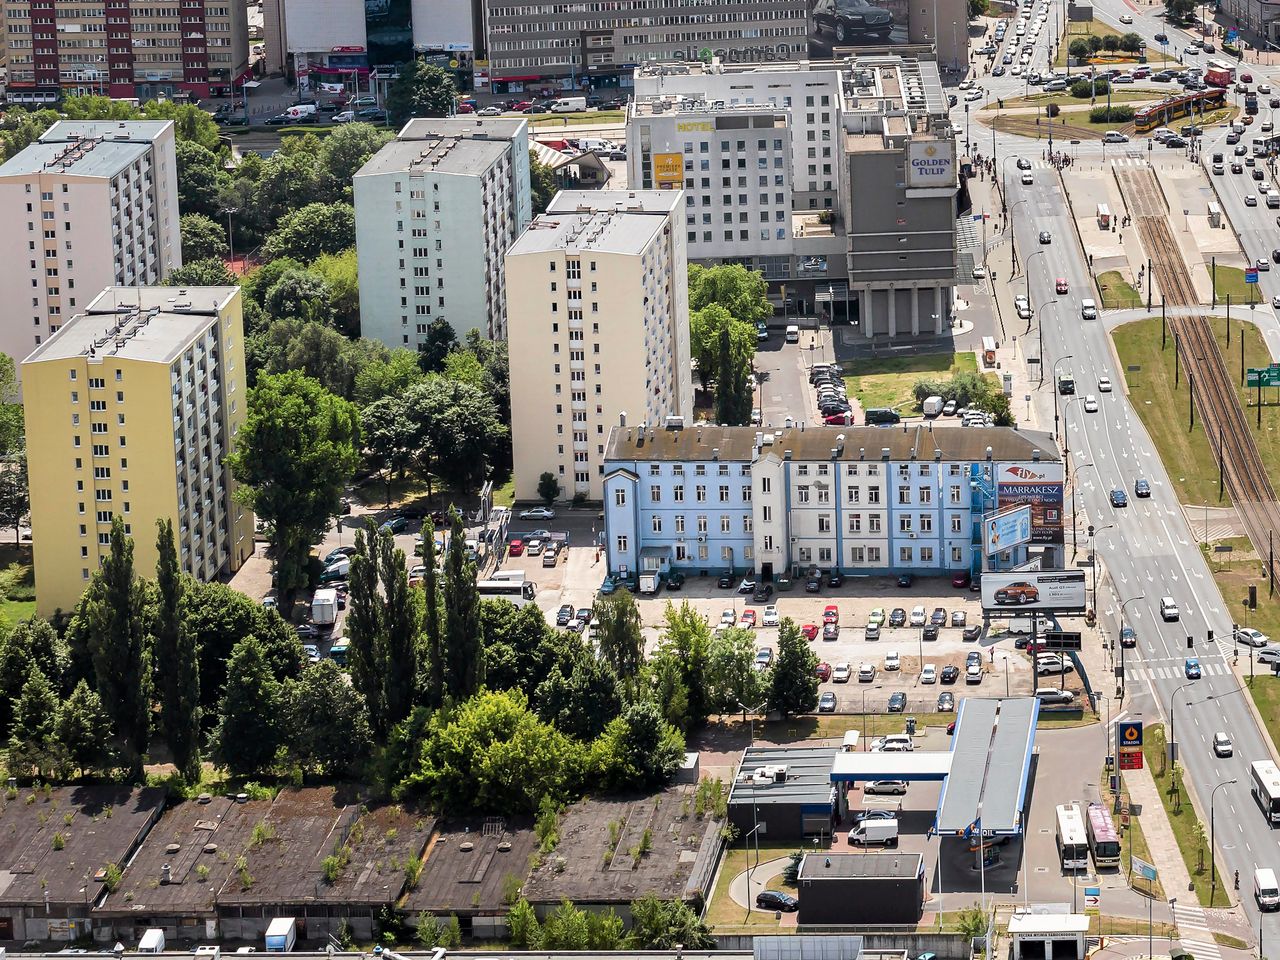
<point x="1079" y="48"/>
<point x="1120" y="114"/>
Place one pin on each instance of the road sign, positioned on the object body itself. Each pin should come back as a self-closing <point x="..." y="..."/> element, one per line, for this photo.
<point x="1092" y="898"/>
<point x="1251" y="276"/>
<point x="1060" y="640"/>
<point x="1263" y="376"/>
<point x="1143" y="869"/>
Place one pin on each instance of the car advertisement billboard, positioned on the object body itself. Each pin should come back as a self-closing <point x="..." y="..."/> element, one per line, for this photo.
<point x="857" y="23"/>
<point x="1005" y="530"/>
<point x="1039" y="486"/>
<point x="1040" y="590"/>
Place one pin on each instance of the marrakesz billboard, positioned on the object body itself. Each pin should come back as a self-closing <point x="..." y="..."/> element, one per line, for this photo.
<point x="1038" y="485"/>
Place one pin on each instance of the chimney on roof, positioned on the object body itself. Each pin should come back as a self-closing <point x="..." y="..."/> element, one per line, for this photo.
<point x="862" y="453"/>
<point x="884" y="453"/>
<point x="166" y="874"/>
<point x="988" y="453"/>
<point x="937" y="454"/>
<point x="622" y="419"/>
<point x="715" y="453"/>
<point x="786" y="454"/>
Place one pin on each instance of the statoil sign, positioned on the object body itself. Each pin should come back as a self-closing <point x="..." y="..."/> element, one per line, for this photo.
<point x="931" y="163"/>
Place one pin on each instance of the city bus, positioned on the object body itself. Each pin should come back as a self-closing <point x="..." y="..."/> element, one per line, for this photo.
<point x="1104" y="842"/>
<point x="518" y="592"/>
<point x="1073" y="845"/>
<point x="1264" y="782"/>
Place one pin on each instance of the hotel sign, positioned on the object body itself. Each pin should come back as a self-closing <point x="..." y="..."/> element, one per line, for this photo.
<point x="931" y="163"/>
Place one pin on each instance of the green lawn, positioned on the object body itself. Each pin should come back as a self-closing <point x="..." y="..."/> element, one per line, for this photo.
<point x="1185" y="453"/>
<point x="19" y="602"/>
<point x="889" y="381"/>
<point x="1096" y="28"/>
<point x="1229" y="282"/>
<point x="1116" y="293"/>
<point x="723" y="909"/>
<point x="1125" y="94"/>
<point x="1183" y="820"/>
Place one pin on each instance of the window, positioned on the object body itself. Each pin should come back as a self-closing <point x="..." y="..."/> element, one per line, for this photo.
<point x="802" y="494"/>
<point x="873" y="523"/>
<point x="926" y="554"/>
<point x="904" y="523"/>
<point x="679" y="522"/>
<point x="824" y="494"/>
<point x="926" y="523"/>
<point x="855" y="523"/>
<point x="656" y="523"/>
<point x="765" y="485"/>
<point x="619" y="497"/>
<point x="957" y="555"/>
<point x="622" y="540"/>
<point x="677" y="493"/>
<point x="725" y="522"/>
<point x="724" y="493"/>
<point x="766" y="514"/>
<point x="824" y="554"/>
<point x="853" y="494"/>
<point x="746" y="493"/>
<point x="824" y="523"/>
<point x="873" y="494"/>
<point x="768" y="542"/>
<point x="655" y="493"/>
<point x="805" y="555"/>
<point x="904" y="494"/>
<point x="954" y="496"/>
<point x="904" y="555"/>
<point x="700" y="493"/>
<point x="957" y="523"/>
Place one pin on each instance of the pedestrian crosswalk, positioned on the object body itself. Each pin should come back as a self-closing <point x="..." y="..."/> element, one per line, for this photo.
<point x="1194" y="932"/>
<point x="1041" y="164"/>
<point x="1175" y="671"/>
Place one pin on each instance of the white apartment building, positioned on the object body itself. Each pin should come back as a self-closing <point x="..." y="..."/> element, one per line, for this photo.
<point x="436" y="210"/>
<point x="599" y="329"/>
<point x="91" y="204"/>
<point x="131" y="409"/>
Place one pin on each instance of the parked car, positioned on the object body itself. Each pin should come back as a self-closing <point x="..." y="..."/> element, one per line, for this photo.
<point x="777" y="900"/>
<point x="946" y="701"/>
<point x="950" y="673"/>
<point x="898" y="617"/>
<point x="823" y="671"/>
<point x="538" y="513"/>
<point x="972" y="633"/>
<point x="892" y="787"/>
<point x="841" y="673"/>
<point x="564" y="615"/>
<point x="809" y="631"/>
<point x="898" y="702"/>
<point x="831" y="614"/>
<point x="764" y="658"/>
<point x="770" y="618"/>
<point x="827" y="702"/>
<point x="394" y="525"/>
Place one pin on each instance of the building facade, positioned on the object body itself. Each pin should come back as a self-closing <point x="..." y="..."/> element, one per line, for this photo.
<point x="89" y="205"/>
<point x="131" y="409"/>
<point x="436" y="211"/>
<point x="198" y="48"/>
<point x="900" y="206"/>
<point x="862" y="500"/>
<point x="594" y="287"/>
<point x="590" y="46"/>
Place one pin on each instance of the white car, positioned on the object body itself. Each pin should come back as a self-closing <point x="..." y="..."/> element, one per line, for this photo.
<point x="346" y="116"/>
<point x="1275" y="302"/>
<point x="771" y="615"/>
<point x="918" y="616"/>
<point x="866" y="672"/>
<point x="728" y="618"/>
<point x="1254" y="638"/>
<point x="893" y="662"/>
<point x="1126" y="18"/>
<point x="538" y="513"/>
<point x="1016" y="70"/>
<point x="1104" y="384"/>
<point x="973" y="673"/>
<point x="1091" y="404"/>
<point x="979" y="272"/>
<point x="489" y="112"/>
<point x="841" y="673"/>
<point x="929" y="673"/>
<point x="1027" y="180"/>
<point x="973" y="95"/>
<point x="1114" y="136"/>
<point x="1264" y="88"/>
<point x="1250" y="200"/>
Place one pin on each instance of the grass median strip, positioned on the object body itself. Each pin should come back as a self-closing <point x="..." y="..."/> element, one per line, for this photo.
<point x="1133" y="843"/>
<point x="1229" y="282"/>
<point x="1116" y="293"/>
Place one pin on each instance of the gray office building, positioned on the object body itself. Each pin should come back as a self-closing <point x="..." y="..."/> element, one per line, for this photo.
<point x="900" y="205"/>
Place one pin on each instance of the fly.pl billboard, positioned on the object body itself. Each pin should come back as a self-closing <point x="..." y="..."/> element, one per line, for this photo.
<point x="1039" y="486"/>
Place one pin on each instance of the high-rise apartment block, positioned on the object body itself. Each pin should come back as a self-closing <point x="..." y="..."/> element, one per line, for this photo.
<point x="114" y="48"/>
<point x="436" y="210"/>
<point x="89" y="205"/>
<point x="599" y="328"/>
<point x="131" y="409"/>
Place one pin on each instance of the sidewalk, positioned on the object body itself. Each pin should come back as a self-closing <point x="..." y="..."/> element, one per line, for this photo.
<point x="1143" y="791"/>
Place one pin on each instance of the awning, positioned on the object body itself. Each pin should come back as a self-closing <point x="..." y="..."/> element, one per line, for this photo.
<point x="657" y="553"/>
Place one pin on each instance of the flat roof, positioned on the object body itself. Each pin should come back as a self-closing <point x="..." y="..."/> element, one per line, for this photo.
<point x="459" y="155"/>
<point x="1048" y="923"/>
<point x="199" y="842"/>
<point x="468" y="866"/>
<point x="137" y="323"/>
<point x="98" y="824"/>
<point x="912" y="441"/>
<point x="578" y="870"/>
<point x="601" y="232"/>
<point x="879" y="866"/>
<point x="86" y="148"/>
<point x="920" y="765"/>
<point x="807" y="947"/>
<point x="472" y="127"/>
<point x="629" y="201"/>
<point x="993" y="742"/>
<point x="808" y="776"/>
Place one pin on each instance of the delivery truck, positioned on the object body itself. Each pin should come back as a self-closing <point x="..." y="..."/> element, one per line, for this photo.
<point x="152" y="941"/>
<point x="878" y="830"/>
<point x="324" y="607"/>
<point x="282" y="934"/>
<point x="933" y="406"/>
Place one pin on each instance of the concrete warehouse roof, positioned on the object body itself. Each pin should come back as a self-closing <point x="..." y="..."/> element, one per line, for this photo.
<point x="910" y="442"/>
<point x="808" y="777"/>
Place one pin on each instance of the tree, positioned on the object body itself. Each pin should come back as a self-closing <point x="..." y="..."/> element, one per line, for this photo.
<point x="619" y="635"/>
<point x="431" y="661"/>
<point x="250" y="718"/>
<point x="1079" y="49"/>
<point x="1111" y="43"/>
<point x="365" y="624"/>
<point x="463" y="657"/>
<point x="742" y="292"/>
<point x="523" y="929"/>
<point x="706" y="346"/>
<point x="687" y="639"/>
<point x="389" y="377"/>
<point x="113" y="608"/>
<point x="440" y="340"/>
<point x="732" y="679"/>
<point x="31" y="645"/>
<point x="197" y="183"/>
<point x="202" y="273"/>
<point x="299" y="293"/>
<point x="793" y="682"/>
<point x="548" y="487"/>
<point x="520" y="648"/>
<point x="190" y="122"/>
<point x="15" y="492"/>
<point x="295" y="454"/>
<point x="340" y="272"/>
<point x="33" y="745"/>
<point x="565" y="928"/>
<point x="661" y="924"/>
<point x="257" y="285"/>
<point x="1198" y="839"/>
<point x="543" y="184"/>
<point x="313" y="349"/>
<point x="420" y="91"/>
<point x="392" y="439"/>
<point x="202" y="238"/>
<point x="327" y="722"/>
<point x="83" y="731"/>
<point x="344" y="151"/>
<point x="637" y="750"/>
<point x="1131" y="43"/>
<point x="177" y="661"/>
<point x="1095" y="43"/>
<point x="579" y="698"/>
<point x="977" y="8"/>
<point x="972" y="922"/>
<point x="1179" y="10"/>
<point x="315" y="229"/>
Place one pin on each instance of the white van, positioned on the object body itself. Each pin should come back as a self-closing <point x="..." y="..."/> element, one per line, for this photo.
<point x="299" y="110"/>
<point x="569" y="105"/>
<point x="871" y="831"/>
<point x="152" y="941"/>
<point x="793" y="333"/>
<point x="1265" y="890"/>
<point x="589" y="144"/>
<point x="1088" y="309"/>
<point x="1168" y="608"/>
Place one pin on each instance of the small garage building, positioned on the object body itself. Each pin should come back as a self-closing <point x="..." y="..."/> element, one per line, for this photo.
<point x="861" y="888"/>
<point x="1047" y="936"/>
<point x="786" y="791"/>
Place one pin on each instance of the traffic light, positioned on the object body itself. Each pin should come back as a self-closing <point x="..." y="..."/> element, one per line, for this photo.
<point x="1191" y="642"/>
<point x="1091" y="529"/>
<point x="1209" y="638"/>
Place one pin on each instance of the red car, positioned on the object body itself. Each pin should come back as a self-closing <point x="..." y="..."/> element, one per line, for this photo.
<point x="516" y="548"/>
<point x="522" y="105"/>
<point x="824" y="671"/>
<point x="809" y="631"/>
<point x="748" y="619"/>
<point x="839" y="419"/>
<point x="960" y="579"/>
<point x="1246" y="78"/>
<point x="1061" y="285"/>
<point x="831" y="614"/>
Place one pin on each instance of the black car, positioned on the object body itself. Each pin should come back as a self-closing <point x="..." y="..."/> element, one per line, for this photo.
<point x="1119" y="498"/>
<point x="1141" y="488"/>
<point x="675" y="581"/>
<point x="862" y="815"/>
<point x="931" y="632"/>
<point x="813" y="584"/>
<point x="232" y="120"/>
<point x="946" y="702"/>
<point x="951" y="100"/>
<point x="278" y="121"/>
<point x="725" y="582"/>
<point x="536" y="108"/>
<point x="898" y="702"/>
<point x="852" y="18"/>
<point x="905" y="580"/>
<point x="939" y="617"/>
<point x="972" y="633"/>
<point x="898" y="617"/>
<point x="950" y="673"/>
<point x="777" y="900"/>
<point x="836" y="579"/>
<point x="1160" y="38"/>
<point x="564" y="615"/>
<point x="762" y="593"/>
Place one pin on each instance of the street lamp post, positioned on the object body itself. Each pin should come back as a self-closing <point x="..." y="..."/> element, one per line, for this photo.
<point x="1123" y="604"/>
<point x="1213" y="861"/>
<point x="1027" y="271"/>
<point x="1066" y="443"/>
<point x="1074" y="493"/>
<point x="1006" y="674"/>
<point x="231" y="243"/>
<point x="1040" y="324"/>
<point x="1013" y="234"/>
<point x="1093" y="562"/>
<point x="1173" y="740"/>
<point x="1055" y="392"/>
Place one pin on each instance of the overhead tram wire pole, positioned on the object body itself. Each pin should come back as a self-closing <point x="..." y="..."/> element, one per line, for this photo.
<point x="1055" y="392"/>
<point x="1213" y="861"/>
<point x="1173" y="740"/>
<point x="1093" y="561"/>
<point x="1040" y="324"/>
<point x="1123" y="604"/>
